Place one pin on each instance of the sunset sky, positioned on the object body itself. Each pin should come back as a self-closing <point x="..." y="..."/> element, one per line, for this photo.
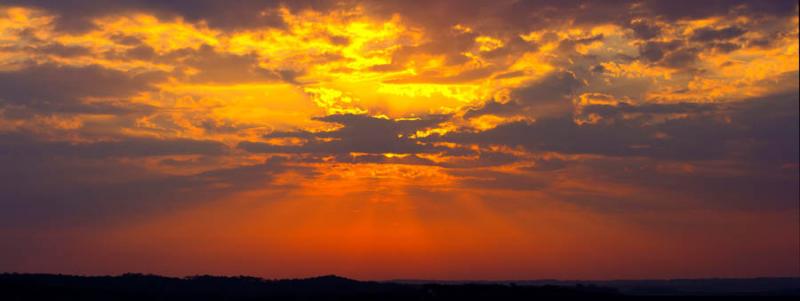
<point x="438" y="139"/>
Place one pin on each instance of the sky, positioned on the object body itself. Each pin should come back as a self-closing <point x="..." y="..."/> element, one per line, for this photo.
<point x="437" y="139"/>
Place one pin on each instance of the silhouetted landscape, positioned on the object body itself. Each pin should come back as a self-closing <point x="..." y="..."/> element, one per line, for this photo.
<point x="153" y="287"/>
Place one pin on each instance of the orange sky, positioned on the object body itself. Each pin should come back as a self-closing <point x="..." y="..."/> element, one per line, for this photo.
<point x="413" y="139"/>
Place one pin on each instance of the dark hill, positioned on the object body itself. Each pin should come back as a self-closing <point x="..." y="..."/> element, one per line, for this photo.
<point x="152" y="287"/>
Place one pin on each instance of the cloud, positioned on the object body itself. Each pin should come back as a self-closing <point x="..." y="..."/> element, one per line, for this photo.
<point x="558" y="134"/>
<point x="55" y="49"/>
<point x="764" y="124"/>
<point x="647" y="184"/>
<point x="49" y="88"/>
<point x="654" y="51"/>
<point x="381" y="159"/>
<point x="359" y="133"/>
<point x="548" y="96"/>
<point x="644" y="30"/>
<point x="620" y="109"/>
<point x="211" y="66"/>
<point x="687" y="9"/>
<point x="20" y="144"/>
<point x="61" y="185"/>
<point x="493" y="107"/>
<point x="76" y="16"/>
<point x="710" y="34"/>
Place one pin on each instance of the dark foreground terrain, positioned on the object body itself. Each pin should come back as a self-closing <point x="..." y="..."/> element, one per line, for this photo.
<point x="150" y="287"/>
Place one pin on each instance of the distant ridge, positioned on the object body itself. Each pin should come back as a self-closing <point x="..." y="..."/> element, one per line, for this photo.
<point x="679" y="286"/>
<point x="332" y="287"/>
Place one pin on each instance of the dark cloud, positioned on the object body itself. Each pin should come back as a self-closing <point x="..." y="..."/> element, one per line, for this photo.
<point x="525" y="16"/>
<point x="47" y="183"/>
<point x="655" y="51"/>
<point x="554" y="88"/>
<point x="557" y="134"/>
<point x="140" y="52"/>
<point x="76" y="15"/>
<point x="686" y="186"/>
<point x="484" y="15"/>
<point x="773" y="126"/>
<point x="551" y="95"/>
<point x="21" y="144"/>
<point x="674" y="54"/>
<point x="503" y="15"/>
<point x="618" y="110"/>
<point x="644" y="30"/>
<point x="760" y="128"/>
<point x="58" y="49"/>
<point x="359" y="133"/>
<point x="710" y="34"/>
<point x="51" y="88"/>
<point x="215" y="67"/>
<point x="207" y="65"/>
<point x="689" y="9"/>
<point x="725" y="47"/>
<point x="60" y="192"/>
<point x="513" y="45"/>
<point x="452" y="44"/>
<point x="546" y="165"/>
<point x="126" y="40"/>
<point x="493" y="107"/>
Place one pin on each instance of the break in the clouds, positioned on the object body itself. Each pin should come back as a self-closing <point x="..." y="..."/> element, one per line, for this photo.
<point x="420" y="137"/>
